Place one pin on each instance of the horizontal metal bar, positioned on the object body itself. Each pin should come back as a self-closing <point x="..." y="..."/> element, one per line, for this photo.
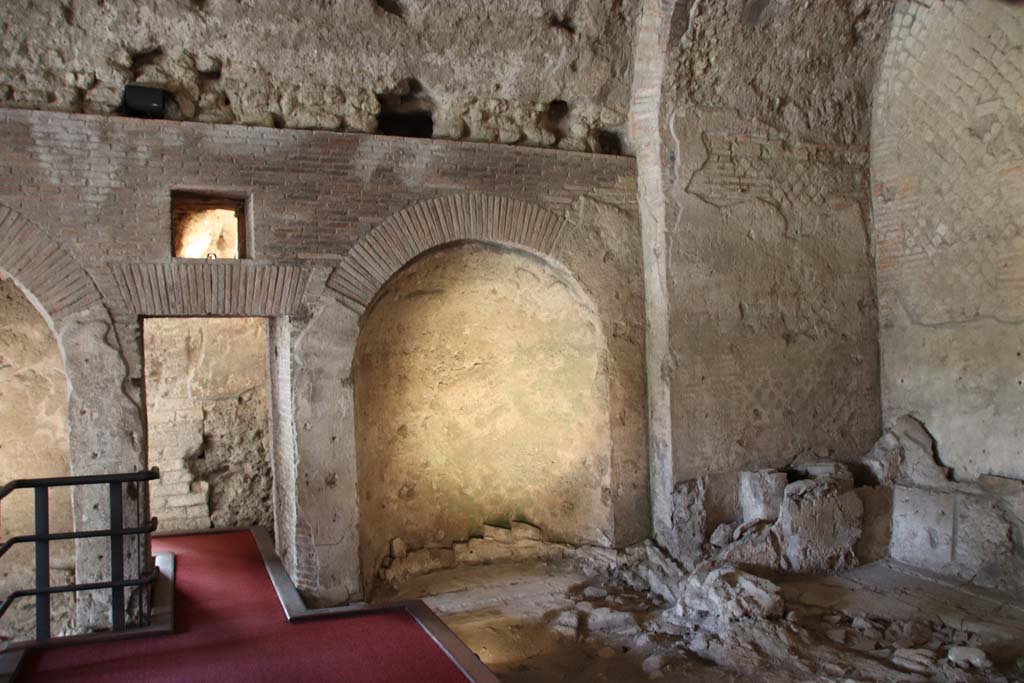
<point x="84" y="480"/>
<point x="78" y="587"/>
<point x="70" y="535"/>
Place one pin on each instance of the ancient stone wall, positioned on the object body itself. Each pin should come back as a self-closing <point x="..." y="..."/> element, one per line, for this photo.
<point x="948" y="200"/>
<point x="33" y="443"/>
<point x="756" y="192"/>
<point x="552" y="74"/>
<point x="97" y="190"/>
<point x="481" y="393"/>
<point x="207" y="416"/>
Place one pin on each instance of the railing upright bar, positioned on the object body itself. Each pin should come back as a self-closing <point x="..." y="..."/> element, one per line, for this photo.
<point x="42" y="505"/>
<point x="116" y="557"/>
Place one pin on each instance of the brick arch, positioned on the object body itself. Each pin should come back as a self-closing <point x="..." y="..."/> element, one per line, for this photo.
<point x="403" y="236"/>
<point x="58" y="283"/>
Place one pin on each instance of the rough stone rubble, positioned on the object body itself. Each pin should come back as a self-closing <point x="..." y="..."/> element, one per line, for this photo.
<point x="723" y="599"/>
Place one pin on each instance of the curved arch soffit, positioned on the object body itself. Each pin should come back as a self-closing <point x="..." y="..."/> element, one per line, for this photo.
<point x="469" y="217"/>
<point x="49" y="275"/>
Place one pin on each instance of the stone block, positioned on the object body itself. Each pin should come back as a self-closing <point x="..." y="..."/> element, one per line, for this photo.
<point x="497" y="533"/>
<point x="760" y="494"/>
<point x="689" y="521"/>
<point x="819" y="526"/>
<point x="922" y="527"/>
<point x="521" y="531"/>
<point x="983" y="541"/>
<point x="729" y="594"/>
<point x="876" y="527"/>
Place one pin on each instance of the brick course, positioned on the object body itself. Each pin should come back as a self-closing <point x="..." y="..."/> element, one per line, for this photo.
<point x="101" y="186"/>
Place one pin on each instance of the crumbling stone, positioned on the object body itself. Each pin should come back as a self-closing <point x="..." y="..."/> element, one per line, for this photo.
<point x="876" y="525"/>
<point x="399" y="548"/>
<point x="919" y="660"/>
<point x="689" y="520"/>
<point x="759" y="548"/>
<point x="919" y="465"/>
<point x="418" y="562"/>
<point x="722" y="535"/>
<point x="521" y="531"/>
<point x="819" y="526"/>
<point x="761" y="494"/>
<point x="728" y="593"/>
<point x="968" y="657"/>
<point x="922" y="527"/>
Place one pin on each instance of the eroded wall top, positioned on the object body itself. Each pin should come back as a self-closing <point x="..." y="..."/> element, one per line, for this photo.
<point x="540" y="73"/>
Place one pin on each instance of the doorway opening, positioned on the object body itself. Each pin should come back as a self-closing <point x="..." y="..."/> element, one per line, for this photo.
<point x="208" y="417"/>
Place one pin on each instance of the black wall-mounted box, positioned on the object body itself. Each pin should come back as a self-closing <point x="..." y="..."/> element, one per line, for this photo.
<point x="140" y="100"/>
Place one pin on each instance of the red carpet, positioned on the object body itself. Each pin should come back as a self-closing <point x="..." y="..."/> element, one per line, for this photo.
<point x="230" y="627"/>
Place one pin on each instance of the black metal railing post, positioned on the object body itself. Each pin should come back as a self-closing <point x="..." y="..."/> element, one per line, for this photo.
<point x="116" y="557"/>
<point x="42" y="494"/>
<point x="116" y="532"/>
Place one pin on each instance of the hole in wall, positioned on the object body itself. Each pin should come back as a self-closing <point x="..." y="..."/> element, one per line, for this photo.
<point x="563" y="23"/>
<point x="609" y="142"/>
<point x="554" y="118"/>
<point x="207" y="226"/>
<point x="406" y="111"/>
<point x="140" y="60"/>
<point x="393" y="7"/>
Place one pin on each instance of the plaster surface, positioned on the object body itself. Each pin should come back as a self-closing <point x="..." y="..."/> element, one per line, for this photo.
<point x="481" y="392"/>
<point x="33" y="443"/>
<point x="762" y="324"/>
<point x="948" y="201"/>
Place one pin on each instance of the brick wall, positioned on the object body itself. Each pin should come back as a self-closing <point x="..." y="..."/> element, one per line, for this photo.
<point x="101" y="186"/>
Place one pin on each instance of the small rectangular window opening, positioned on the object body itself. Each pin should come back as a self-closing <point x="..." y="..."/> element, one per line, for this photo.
<point x="207" y="226"/>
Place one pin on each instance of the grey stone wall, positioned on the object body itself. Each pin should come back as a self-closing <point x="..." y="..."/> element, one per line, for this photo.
<point x="754" y="191"/>
<point x="948" y="202"/>
<point x="948" y="188"/>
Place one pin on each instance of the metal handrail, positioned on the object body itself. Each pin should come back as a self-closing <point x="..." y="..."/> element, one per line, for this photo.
<point x="83" y="480"/>
<point x="146" y="578"/>
<point x="42" y="538"/>
<point x="71" y="535"/>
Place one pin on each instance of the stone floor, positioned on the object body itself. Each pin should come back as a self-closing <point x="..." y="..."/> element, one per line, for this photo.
<point x="542" y="622"/>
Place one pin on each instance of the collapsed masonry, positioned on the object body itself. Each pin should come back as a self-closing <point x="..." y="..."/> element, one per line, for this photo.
<point x="716" y="592"/>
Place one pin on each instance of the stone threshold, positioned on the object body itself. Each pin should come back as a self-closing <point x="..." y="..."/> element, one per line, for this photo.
<point x="295" y="610"/>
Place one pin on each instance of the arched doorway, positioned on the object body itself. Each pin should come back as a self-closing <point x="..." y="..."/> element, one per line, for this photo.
<point x="481" y="396"/>
<point x="33" y="443"/>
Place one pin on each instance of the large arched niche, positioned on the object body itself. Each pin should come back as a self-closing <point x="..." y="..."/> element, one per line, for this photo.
<point x="33" y="443"/>
<point x="103" y="422"/>
<point x="481" y="396"/>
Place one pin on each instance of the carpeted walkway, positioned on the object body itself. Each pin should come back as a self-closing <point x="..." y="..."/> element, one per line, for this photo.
<point x="230" y="627"/>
